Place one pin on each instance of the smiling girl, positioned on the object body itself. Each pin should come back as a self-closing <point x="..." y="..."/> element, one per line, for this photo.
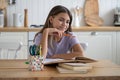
<point x="56" y="38"/>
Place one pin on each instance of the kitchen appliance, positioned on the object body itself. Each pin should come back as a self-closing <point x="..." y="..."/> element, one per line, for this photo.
<point x="117" y="17"/>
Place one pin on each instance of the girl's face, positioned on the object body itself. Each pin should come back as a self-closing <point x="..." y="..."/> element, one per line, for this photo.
<point x="60" y="21"/>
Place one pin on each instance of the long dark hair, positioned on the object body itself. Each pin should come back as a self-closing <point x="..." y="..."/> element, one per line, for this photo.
<point x="55" y="11"/>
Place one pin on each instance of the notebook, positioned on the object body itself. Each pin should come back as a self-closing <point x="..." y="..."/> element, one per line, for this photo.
<point x="63" y="70"/>
<point x="76" y="66"/>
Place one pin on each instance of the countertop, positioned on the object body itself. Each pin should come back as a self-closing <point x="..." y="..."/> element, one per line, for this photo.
<point x="82" y="28"/>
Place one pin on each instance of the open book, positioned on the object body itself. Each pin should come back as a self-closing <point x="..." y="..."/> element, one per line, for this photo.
<point x="76" y="60"/>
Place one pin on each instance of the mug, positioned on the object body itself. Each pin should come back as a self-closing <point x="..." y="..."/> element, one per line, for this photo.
<point x="18" y="19"/>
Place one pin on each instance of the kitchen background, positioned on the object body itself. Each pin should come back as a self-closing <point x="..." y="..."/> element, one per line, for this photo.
<point x="38" y="10"/>
<point x="101" y="44"/>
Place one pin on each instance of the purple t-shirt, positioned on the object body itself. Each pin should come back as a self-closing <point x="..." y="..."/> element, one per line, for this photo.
<point x="61" y="47"/>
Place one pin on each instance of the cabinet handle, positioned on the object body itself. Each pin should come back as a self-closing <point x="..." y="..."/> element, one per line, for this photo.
<point x="94" y="33"/>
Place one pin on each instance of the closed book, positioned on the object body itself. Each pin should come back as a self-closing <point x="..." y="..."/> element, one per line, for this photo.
<point x="76" y="66"/>
<point x="64" y="70"/>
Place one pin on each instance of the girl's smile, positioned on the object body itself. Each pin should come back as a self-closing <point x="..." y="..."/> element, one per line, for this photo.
<point x="60" y="21"/>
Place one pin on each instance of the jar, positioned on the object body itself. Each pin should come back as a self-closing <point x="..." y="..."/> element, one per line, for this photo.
<point x="1" y="18"/>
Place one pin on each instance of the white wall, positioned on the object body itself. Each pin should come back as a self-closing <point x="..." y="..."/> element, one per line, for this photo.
<point x="38" y="9"/>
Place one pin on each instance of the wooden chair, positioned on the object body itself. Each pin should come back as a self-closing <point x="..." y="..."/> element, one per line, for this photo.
<point x="84" y="45"/>
<point x="9" y="49"/>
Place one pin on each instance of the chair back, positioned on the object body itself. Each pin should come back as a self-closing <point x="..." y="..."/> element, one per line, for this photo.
<point x="9" y="49"/>
<point x="84" y="45"/>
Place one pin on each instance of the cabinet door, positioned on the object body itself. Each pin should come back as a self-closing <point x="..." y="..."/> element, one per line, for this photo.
<point x="17" y="36"/>
<point x="101" y="45"/>
<point x="118" y="48"/>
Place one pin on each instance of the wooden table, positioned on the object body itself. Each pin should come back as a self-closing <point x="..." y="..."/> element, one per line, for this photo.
<point x="18" y="70"/>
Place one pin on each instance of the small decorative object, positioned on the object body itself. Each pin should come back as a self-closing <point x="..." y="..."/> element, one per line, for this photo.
<point x="3" y="6"/>
<point x="1" y="18"/>
<point x="11" y="2"/>
<point x="77" y="17"/>
<point x="25" y="18"/>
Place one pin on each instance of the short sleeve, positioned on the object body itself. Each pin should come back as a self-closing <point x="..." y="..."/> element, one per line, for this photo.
<point x="37" y="39"/>
<point x="74" y="41"/>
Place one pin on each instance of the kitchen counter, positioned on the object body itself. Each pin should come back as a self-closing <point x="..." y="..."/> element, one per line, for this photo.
<point x="82" y="28"/>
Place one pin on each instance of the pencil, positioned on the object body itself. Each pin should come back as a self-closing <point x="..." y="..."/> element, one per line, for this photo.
<point x="40" y="51"/>
<point x="69" y="35"/>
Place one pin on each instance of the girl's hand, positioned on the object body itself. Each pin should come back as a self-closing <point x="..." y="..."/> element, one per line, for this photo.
<point x="54" y="32"/>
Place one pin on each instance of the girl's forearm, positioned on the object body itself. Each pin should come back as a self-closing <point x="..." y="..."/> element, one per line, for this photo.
<point x="44" y="43"/>
<point x="67" y="55"/>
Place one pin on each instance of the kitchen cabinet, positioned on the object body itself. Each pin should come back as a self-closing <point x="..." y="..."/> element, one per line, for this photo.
<point x="101" y="45"/>
<point x="17" y="36"/>
<point x="103" y="42"/>
<point x="118" y="48"/>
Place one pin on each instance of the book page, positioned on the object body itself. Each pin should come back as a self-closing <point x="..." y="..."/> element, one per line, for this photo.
<point x="58" y="60"/>
<point x="76" y="64"/>
<point x="50" y="61"/>
<point x="84" y="59"/>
